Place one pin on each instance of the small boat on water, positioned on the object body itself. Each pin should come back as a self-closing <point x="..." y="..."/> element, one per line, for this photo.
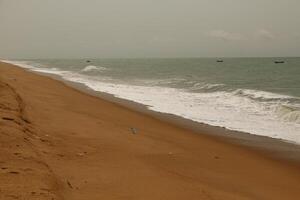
<point x="220" y="61"/>
<point x="279" y="62"/>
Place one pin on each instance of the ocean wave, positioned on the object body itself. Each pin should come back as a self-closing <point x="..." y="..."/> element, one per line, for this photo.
<point x="288" y="113"/>
<point x="263" y="95"/>
<point x="285" y="107"/>
<point x="161" y="82"/>
<point x="207" y="87"/>
<point x="93" y="68"/>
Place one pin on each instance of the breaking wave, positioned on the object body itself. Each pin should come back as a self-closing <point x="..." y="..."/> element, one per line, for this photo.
<point x="93" y="68"/>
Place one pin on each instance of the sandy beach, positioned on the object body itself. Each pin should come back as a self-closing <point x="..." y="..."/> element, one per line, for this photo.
<point x="57" y="142"/>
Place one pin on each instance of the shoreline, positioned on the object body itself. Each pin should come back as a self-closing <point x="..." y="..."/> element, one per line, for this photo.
<point x="268" y="146"/>
<point x="73" y="145"/>
<point x="272" y="147"/>
<point x="188" y="123"/>
<point x="244" y="108"/>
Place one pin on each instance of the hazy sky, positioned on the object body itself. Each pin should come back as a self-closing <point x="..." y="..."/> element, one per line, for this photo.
<point x="148" y="28"/>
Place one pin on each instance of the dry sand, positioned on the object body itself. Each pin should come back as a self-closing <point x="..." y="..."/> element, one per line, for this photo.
<point x="59" y="143"/>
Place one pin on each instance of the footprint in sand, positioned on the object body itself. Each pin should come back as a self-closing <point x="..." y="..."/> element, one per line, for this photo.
<point x="14" y="172"/>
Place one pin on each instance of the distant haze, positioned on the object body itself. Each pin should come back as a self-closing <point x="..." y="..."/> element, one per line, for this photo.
<point x="148" y="28"/>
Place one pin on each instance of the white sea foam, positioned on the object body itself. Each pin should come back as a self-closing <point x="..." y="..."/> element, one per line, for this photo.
<point x="22" y="64"/>
<point x="288" y="113"/>
<point x="93" y="68"/>
<point x="28" y="65"/>
<point x="255" y="94"/>
<point x="256" y="112"/>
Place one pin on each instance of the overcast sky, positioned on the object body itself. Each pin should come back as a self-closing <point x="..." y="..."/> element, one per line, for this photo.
<point x="148" y="28"/>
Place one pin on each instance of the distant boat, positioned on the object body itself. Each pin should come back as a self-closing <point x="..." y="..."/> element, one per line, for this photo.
<point x="220" y="61"/>
<point x="279" y="62"/>
<point x="88" y="61"/>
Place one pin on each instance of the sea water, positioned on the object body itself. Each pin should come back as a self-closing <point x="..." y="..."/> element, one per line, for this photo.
<point x="253" y="95"/>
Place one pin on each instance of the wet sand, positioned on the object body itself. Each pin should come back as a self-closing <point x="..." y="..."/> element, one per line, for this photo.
<point x="57" y="142"/>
